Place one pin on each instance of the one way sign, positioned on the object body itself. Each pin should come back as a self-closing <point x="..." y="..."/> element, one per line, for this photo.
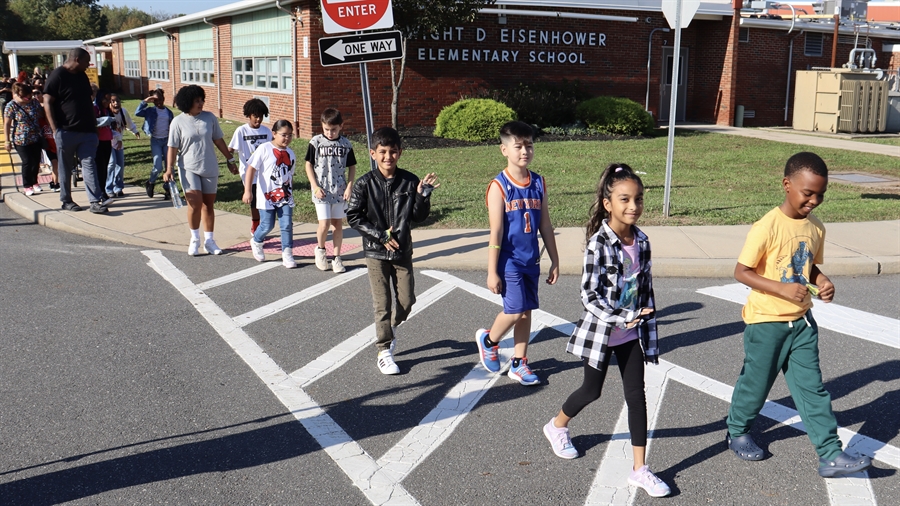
<point x="360" y="48"/>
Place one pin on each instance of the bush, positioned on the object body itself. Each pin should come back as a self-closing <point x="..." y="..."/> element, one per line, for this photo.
<point x="615" y="116"/>
<point x="473" y="119"/>
<point x="543" y="104"/>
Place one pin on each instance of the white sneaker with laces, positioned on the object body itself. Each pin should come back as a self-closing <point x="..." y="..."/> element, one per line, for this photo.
<point x="194" y="247"/>
<point x="643" y="478"/>
<point x="258" y="253"/>
<point x="321" y="260"/>
<point x="211" y="247"/>
<point x="560" y="441"/>
<point x="337" y="265"/>
<point x="287" y="258"/>
<point x="386" y="363"/>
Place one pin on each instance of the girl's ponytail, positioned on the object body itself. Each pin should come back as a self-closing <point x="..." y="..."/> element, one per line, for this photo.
<point x="613" y="173"/>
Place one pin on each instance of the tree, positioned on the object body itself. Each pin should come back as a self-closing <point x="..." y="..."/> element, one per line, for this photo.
<point x="74" y="22"/>
<point x="414" y="19"/>
<point x="43" y="20"/>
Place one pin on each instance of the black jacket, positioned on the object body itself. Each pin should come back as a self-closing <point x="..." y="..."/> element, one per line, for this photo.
<point x="377" y="204"/>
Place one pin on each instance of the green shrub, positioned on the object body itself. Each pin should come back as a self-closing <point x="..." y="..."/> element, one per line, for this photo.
<point x="615" y="116"/>
<point x="542" y="104"/>
<point x="473" y="119"/>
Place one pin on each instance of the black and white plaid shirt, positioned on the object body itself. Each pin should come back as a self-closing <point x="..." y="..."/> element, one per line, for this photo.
<point x="601" y="283"/>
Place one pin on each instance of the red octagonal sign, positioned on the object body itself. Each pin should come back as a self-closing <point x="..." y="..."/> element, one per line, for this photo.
<point x="340" y="16"/>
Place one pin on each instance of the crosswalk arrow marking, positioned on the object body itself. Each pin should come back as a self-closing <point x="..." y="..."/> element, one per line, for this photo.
<point x="340" y="50"/>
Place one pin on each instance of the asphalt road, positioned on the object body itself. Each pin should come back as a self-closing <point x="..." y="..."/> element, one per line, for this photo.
<point x="140" y="377"/>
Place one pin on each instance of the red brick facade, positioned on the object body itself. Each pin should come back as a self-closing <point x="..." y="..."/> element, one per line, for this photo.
<point x="607" y="57"/>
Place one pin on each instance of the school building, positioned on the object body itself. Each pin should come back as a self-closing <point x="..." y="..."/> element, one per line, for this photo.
<point x="733" y="54"/>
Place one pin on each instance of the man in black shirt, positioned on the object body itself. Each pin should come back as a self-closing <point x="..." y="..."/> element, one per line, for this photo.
<point x="70" y="112"/>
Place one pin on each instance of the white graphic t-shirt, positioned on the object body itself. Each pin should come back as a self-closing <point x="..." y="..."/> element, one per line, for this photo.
<point x="245" y="141"/>
<point x="628" y="297"/>
<point x="329" y="159"/>
<point x="275" y="176"/>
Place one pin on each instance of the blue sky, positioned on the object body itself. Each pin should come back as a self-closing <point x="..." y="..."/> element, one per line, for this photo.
<point x="168" y="6"/>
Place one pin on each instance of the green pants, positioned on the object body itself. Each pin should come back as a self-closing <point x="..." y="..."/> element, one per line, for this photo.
<point x="385" y="275"/>
<point x="793" y="348"/>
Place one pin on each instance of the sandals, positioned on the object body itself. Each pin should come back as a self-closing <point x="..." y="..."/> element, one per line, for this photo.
<point x="745" y="448"/>
<point x="844" y="463"/>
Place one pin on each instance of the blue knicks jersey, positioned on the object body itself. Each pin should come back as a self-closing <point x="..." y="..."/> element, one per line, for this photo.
<point x="519" y="250"/>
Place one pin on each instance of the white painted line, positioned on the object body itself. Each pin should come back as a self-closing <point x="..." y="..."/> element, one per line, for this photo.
<point x="377" y="485"/>
<point x="350" y="347"/>
<point x="246" y="273"/>
<point x="297" y="298"/>
<point x="852" y="322"/>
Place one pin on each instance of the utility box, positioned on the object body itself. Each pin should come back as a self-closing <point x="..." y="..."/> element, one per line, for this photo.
<point x="840" y="100"/>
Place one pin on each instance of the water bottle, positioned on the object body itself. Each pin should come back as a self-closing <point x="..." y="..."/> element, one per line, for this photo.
<point x="176" y="198"/>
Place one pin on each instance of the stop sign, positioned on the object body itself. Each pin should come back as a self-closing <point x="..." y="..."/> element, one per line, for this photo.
<point x="353" y="15"/>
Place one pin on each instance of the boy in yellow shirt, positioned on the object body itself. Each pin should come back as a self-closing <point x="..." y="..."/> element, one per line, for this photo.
<point x="780" y="263"/>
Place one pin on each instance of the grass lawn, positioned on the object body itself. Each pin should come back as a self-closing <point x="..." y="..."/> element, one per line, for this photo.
<point x="716" y="179"/>
<point x="887" y="141"/>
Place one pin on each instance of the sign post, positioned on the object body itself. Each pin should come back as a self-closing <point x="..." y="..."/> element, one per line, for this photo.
<point x="339" y="16"/>
<point x="676" y="12"/>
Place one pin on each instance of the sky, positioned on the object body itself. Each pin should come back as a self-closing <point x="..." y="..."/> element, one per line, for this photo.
<point x="168" y="6"/>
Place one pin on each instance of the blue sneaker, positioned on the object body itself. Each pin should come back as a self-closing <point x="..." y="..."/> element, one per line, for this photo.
<point x="523" y="373"/>
<point x="490" y="359"/>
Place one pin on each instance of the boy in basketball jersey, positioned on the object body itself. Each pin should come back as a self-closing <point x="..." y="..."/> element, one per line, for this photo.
<point x="517" y="209"/>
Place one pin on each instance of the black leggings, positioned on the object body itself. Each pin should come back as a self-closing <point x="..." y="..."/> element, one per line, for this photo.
<point x="30" y="154"/>
<point x="631" y="365"/>
<point x="101" y="159"/>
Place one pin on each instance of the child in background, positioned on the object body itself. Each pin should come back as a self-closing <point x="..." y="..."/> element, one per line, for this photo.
<point x="245" y="140"/>
<point x="156" y="125"/>
<point x="383" y="205"/>
<point x="274" y="163"/>
<point x="329" y="154"/>
<point x="115" y="182"/>
<point x="779" y="262"/>
<point x="517" y="209"/>
<point x="618" y="317"/>
<point x="49" y="143"/>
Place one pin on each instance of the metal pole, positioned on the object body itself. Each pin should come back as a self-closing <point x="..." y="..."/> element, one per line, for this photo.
<point x="649" y="49"/>
<point x="673" y="108"/>
<point x="367" y="108"/>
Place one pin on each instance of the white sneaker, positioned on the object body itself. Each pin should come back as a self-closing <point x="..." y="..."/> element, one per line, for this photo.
<point x="643" y="478"/>
<point x="37" y="188"/>
<point x="211" y="247"/>
<point x="386" y="363"/>
<point x="194" y="247"/>
<point x="258" y="253"/>
<point x="337" y="265"/>
<point x="29" y="190"/>
<point x="321" y="261"/>
<point x="287" y="258"/>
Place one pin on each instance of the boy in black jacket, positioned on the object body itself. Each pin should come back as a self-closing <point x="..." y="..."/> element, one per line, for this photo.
<point x="382" y="206"/>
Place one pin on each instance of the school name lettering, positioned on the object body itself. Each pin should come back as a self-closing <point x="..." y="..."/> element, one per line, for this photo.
<point x="516" y="204"/>
<point x="575" y="40"/>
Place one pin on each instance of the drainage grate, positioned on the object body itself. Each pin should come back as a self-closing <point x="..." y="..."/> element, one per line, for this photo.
<point x="859" y="178"/>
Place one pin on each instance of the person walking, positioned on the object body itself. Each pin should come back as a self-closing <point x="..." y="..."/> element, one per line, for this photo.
<point x="24" y="133"/>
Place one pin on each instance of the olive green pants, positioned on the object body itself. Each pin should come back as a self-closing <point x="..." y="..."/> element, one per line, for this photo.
<point x="793" y="348"/>
<point x="383" y="276"/>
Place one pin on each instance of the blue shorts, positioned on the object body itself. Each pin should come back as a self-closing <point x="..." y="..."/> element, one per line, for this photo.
<point x="520" y="292"/>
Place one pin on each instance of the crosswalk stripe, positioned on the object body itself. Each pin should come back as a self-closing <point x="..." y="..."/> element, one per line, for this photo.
<point x="377" y="485"/>
<point x="296" y="298"/>
<point x="237" y="276"/>
<point x="852" y="322"/>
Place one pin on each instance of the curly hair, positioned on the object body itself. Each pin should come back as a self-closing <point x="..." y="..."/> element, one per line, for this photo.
<point x="184" y="99"/>
<point x="255" y="107"/>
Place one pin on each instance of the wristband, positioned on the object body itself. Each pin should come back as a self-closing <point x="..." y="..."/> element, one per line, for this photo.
<point x="230" y="160"/>
<point x="491" y="246"/>
<point x="388" y="239"/>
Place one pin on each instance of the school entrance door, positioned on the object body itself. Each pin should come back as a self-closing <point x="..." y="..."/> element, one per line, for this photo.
<point x="665" y="91"/>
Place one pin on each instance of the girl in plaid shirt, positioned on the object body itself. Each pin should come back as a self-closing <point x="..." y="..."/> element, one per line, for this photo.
<point x="618" y="318"/>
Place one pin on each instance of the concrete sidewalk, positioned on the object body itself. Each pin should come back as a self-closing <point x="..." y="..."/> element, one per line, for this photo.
<point x="868" y="248"/>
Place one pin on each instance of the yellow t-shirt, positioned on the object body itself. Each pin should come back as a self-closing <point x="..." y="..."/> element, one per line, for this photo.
<point x="781" y="249"/>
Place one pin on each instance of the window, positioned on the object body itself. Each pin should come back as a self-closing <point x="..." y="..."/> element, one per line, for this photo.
<point x="263" y="73"/>
<point x="198" y="71"/>
<point x="813" y="46"/>
<point x="132" y="68"/>
<point x="158" y="70"/>
<point x="261" y="48"/>
<point x="157" y="47"/>
<point x="744" y="35"/>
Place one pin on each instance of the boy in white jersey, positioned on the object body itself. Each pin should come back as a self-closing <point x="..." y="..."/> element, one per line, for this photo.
<point x="329" y="154"/>
<point x="244" y="142"/>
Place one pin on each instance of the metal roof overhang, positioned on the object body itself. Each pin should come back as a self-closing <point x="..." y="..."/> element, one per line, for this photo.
<point x="861" y="29"/>
<point x="40" y="47"/>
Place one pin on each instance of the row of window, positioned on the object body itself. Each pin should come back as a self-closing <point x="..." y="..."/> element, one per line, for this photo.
<point x="253" y="73"/>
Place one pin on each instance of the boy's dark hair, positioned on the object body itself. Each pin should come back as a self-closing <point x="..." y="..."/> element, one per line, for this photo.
<point x="159" y="93"/>
<point x="255" y="107"/>
<point x="387" y="137"/>
<point x="332" y="116"/>
<point x="613" y="174"/>
<point x="805" y="161"/>
<point x="516" y="130"/>
<point x="184" y="99"/>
